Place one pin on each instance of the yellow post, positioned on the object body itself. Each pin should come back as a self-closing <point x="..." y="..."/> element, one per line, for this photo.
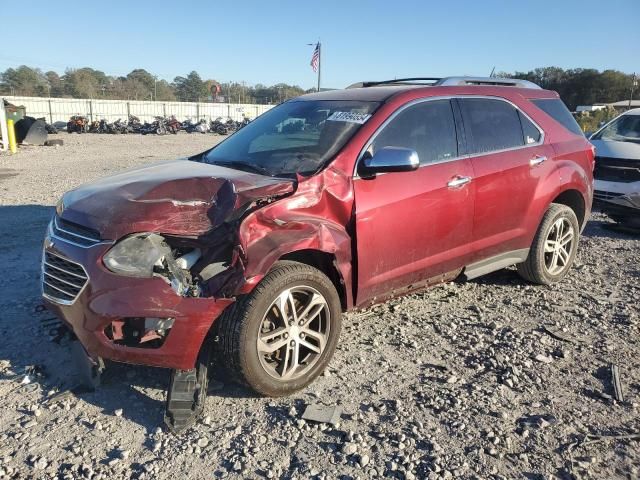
<point x="12" y="136"/>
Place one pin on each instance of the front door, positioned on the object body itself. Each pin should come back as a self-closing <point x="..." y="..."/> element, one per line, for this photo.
<point x="411" y="226"/>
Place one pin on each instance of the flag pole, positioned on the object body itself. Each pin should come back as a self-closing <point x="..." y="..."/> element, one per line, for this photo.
<point x="319" y="62"/>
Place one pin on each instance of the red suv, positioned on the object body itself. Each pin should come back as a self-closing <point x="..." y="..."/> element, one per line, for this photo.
<point x="329" y="202"/>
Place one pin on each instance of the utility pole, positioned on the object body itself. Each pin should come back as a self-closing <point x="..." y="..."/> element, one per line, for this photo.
<point x="634" y="83"/>
<point x="155" y="88"/>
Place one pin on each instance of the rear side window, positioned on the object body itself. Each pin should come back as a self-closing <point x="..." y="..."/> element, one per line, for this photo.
<point x="492" y="124"/>
<point x="427" y="127"/>
<point x="529" y="130"/>
<point x="559" y="112"/>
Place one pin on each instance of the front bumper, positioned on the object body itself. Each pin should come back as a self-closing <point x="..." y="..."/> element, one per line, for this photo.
<point x="107" y="297"/>
<point x="606" y="189"/>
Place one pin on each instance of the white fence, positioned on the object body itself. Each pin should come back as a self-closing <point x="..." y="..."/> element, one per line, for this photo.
<point x="60" y="109"/>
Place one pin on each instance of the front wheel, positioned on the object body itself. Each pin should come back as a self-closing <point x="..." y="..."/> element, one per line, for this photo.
<point x="281" y="336"/>
<point x="554" y="247"/>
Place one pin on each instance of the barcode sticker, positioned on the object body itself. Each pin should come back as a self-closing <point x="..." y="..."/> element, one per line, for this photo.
<point x="352" y="117"/>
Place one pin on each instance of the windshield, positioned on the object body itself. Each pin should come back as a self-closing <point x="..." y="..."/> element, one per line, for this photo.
<point x="625" y="128"/>
<point x="294" y="137"/>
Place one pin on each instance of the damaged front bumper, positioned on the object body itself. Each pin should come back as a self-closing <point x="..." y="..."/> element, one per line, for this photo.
<point x="625" y="209"/>
<point x="124" y="319"/>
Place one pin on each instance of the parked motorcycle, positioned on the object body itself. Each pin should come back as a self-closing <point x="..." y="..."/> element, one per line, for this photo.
<point x="172" y="125"/>
<point x="245" y="121"/>
<point x="78" y="123"/>
<point x="134" y="125"/>
<point x="217" y="126"/>
<point x="119" y="126"/>
<point x="158" y="126"/>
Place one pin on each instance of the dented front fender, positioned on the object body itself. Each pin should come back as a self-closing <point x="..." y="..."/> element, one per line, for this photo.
<point x="317" y="217"/>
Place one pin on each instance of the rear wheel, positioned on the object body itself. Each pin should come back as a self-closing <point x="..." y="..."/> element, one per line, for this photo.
<point x="281" y="336"/>
<point x="554" y="247"/>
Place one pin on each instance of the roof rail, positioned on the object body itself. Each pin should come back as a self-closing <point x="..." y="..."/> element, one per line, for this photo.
<point x="397" y="81"/>
<point x="450" y="81"/>
<point x="506" y="82"/>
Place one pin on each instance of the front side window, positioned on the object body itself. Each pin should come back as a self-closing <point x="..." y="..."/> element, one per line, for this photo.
<point x="625" y="128"/>
<point x="491" y="125"/>
<point x="428" y="128"/>
<point x="296" y="137"/>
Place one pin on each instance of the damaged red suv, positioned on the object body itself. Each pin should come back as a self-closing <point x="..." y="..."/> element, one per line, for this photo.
<point x="249" y="252"/>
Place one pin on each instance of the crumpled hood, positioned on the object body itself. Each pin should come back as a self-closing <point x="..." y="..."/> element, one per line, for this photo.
<point x="178" y="197"/>
<point x="623" y="150"/>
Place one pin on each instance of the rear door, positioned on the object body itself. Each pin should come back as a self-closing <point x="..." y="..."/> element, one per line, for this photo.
<point x="509" y="160"/>
<point x="412" y="226"/>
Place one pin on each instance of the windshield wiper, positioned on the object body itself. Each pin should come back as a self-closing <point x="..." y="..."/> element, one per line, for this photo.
<point x="246" y="167"/>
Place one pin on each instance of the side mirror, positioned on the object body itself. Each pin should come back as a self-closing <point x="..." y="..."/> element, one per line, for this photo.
<point x="389" y="159"/>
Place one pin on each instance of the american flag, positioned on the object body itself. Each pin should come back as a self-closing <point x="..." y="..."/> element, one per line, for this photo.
<point x="315" y="58"/>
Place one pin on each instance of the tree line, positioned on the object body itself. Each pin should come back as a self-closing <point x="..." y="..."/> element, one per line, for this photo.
<point x="579" y="86"/>
<point x="139" y="84"/>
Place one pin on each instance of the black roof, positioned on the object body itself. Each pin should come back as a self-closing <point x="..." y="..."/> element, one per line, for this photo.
<point x="372" y="94"/>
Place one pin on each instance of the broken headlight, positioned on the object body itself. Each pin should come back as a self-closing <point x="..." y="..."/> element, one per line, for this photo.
<point x="136" y="255"/>
<point x="147" y="255"/>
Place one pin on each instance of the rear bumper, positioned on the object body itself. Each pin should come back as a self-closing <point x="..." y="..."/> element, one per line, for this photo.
<point x="107" y="297"/>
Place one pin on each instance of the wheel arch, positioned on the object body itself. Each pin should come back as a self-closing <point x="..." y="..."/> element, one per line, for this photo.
<point x="573" y="199"/>
<point x="325" y="262"/>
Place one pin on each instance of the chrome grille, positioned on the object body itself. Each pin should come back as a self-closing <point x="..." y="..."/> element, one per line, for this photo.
<point x="74" y="233"/>
<point x="62" y="279"/>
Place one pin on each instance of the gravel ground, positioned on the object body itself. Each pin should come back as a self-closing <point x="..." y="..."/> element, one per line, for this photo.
<point x="492" y="378"/>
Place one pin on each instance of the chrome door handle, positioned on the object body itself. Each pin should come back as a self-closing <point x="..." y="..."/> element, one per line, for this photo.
<point x="458" y="181"/>
<point x="537" y="160"/>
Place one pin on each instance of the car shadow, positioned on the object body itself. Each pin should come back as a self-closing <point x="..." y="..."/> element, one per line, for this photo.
<point x="609" y="229"/>
<point x="503" y="277"/>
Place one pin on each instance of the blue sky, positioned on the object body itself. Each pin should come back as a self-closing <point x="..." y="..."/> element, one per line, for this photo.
<point x="265" y="41"/>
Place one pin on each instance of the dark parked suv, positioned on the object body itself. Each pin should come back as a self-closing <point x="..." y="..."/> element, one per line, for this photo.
<point x="249" y="252"/>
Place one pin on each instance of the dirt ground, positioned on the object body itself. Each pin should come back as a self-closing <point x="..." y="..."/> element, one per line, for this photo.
<point x="489" y="379"/>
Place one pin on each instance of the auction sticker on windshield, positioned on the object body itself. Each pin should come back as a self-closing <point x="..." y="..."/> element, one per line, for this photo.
<point x="352" y="117"/>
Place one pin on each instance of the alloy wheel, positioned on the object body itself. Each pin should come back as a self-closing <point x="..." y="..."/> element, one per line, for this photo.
<point x="293" y="333"/>
<point x="558" y="246"/>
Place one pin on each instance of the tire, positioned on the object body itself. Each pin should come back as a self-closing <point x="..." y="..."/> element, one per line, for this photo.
<point x="244" y="321"/>
<point x="550" y="266"/>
